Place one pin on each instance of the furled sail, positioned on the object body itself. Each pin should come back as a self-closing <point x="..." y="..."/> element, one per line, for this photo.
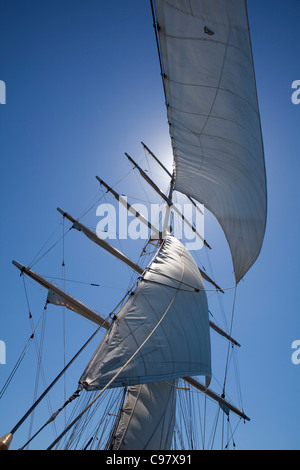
<point x="212" y="108"/>
<point x="148" y="417"/>
<point x="61" y="298"/>
<point x="163" y="328"/>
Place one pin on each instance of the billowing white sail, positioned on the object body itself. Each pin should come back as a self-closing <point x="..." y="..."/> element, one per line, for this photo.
<point x="148" y="417"/>
<point x="167" y="317"/>
<point x="214" y="119"/>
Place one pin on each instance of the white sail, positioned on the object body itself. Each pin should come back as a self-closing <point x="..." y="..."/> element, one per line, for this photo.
<point x="148" y="417"/>
<point x="214" y="119"/>
<point x="167" y="316"/>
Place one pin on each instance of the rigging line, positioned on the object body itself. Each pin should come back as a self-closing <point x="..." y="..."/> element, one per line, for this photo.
<point x="82" y="428"/>
<point x="103" y="195"/>
<point x="222" y="434"/>
<point x="228" y="348"/>
<point x="93" y="204"/>
<point x="16" y="427"/>
<point x="112" y="436"/>
<point x="122" y="178"/>
<point x="149" y="167"/>
<point x="45" y="244"/>
<point x="51" y="247"/>
<point x="215" y="319"/>
<point x="39" y="370"/>
<point x="111" y="410"/>
<point x="198" y="408"/>
<point x="156" y="29"/>
<point x="132" y="274"/>
<point x="75" y="281"/>
<point x="22" y="355"/>
<point x="142" y="186"/>
<point x="112" y="402"/>
<point x="52" y="418"/>
<point x="232" y="433"/>
<point x="16" y="366"/>
<point x="238" y="381"/>
<point x="93" y="284"/>
<point x="26" y="296"/>
<point x="182" y="407"/>
<point x="37" y="348"/>
<point x="63" y="267"/>
<point x="215" y="428"/>
<point x="102" y="435"/>
<point x="190" y="414"/>
<point x="178" y="432"/>
<point x="77" y="431"/>
<point x="76" y="406"/>
<point x="136" y="198"/>
<point x="115" y="376"/>
<point x="220" y="299"/>
<point x="192" y="401"/>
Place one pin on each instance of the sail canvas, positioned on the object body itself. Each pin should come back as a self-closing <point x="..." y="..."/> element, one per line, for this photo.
<point x="168" y="308"/>
<point x="213" y="114"/>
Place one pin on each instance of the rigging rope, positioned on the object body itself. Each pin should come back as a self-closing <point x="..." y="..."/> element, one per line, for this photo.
<point x="39" y="369"/>
<point x="25" y="349"/>
<point x="63" y="268"/>
<point x="49" y="249"/>
<point x="230" y="332"/>
<point x="57" y="378"/>
<point x="16" y="366"/>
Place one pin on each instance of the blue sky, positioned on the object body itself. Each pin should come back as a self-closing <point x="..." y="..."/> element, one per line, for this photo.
<point x="83" y="87"/>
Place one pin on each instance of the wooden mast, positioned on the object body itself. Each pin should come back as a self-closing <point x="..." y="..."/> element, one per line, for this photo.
<point x="99" y="241"/>
<point x="70" y="302"/>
